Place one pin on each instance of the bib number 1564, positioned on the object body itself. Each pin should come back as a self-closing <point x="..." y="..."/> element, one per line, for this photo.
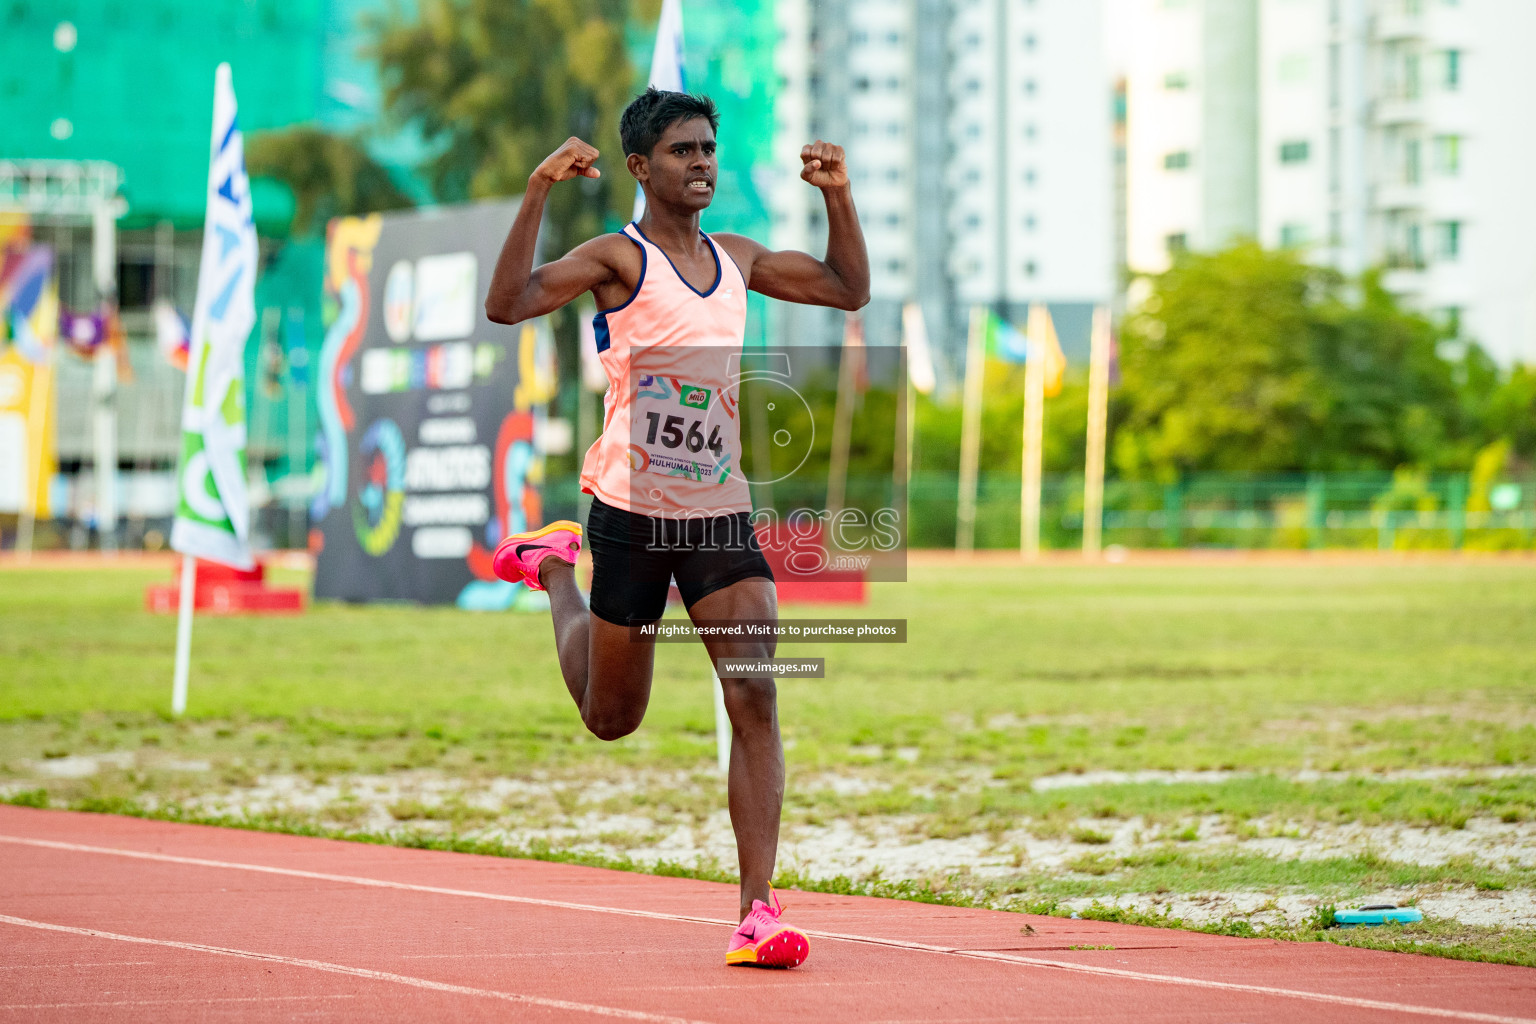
<point x="681" y="432"/>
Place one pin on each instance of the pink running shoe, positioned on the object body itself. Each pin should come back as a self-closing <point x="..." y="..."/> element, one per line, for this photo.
<point x="517" y="558"/>
<point x="762" y="941"/>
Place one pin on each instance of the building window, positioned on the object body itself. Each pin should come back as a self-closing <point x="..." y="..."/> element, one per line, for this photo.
<point x="1449" y="240"/>
<point x="1029" y="177"/>
<point x="1029" y="222"/>
<point x="1412" y="165"/>
<point x="1297" y="151"/>
<point x="1029" y="42"/>
<point x="861" y="83"/>
<point x="1176" y="81"/>
<point x="973" y="221"/>
<point x="1293" y="236"/>
<point x="1031" y="269"/>
<point x="1452" y="77"/>
<point x="893" y="220"/>
<point x="1415" y="246"/>
<point x="973" y="85"/>
<point x="1177" y="243"/>
<point x="1029" y="86"/>
<point x="893" y="174"/>
<point x="1176" y="161"/>
<point x="1448" y="155"/>
<point x="973" y="130"/>
<point x="896" y="266"/>
<point x="1031" y="132"/>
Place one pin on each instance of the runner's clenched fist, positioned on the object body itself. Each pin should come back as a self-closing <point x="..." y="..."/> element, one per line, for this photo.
<point x="825" y="165"/>
<point x="573" y="159"/>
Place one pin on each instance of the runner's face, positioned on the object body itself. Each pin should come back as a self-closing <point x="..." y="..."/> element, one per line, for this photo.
<point x="683" y="164"/>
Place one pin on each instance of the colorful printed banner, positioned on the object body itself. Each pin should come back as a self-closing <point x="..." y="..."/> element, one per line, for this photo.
<point x="31" y="303"/>
<point x="429" y="413"/>
<point x="28" y="456"/>
<point x="213" y="511"/>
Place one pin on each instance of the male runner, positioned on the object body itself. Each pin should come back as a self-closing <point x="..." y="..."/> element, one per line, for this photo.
<point x="672" y="299"/>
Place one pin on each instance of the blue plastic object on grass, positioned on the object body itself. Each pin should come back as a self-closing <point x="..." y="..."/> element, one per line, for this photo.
<point x="1384" y="913"/>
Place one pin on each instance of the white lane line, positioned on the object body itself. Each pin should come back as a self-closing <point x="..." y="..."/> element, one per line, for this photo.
<point x="164" y="1002"/>
<point x="869" y="940"/>
<point x="376" y="883"/>
<point x="356" y="972"/>
<point x="56" y="967"/>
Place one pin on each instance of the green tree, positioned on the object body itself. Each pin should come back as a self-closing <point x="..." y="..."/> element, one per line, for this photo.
<point x="1390" y="399"/>
<point x="1217" y="367"/>
<point x="329" y="175"/>
<point x="494" y="86"/>
<point x="1254" y="361"/>
<point x="1507" y="410"/>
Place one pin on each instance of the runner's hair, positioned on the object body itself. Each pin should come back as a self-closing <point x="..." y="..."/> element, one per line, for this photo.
<point x="654" y="111"/>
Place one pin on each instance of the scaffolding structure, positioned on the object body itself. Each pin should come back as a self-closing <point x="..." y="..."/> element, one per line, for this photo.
<point x="68" y="191"/>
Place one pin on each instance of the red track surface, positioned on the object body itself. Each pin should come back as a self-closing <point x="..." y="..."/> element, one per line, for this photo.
<point x="105" y="918"/>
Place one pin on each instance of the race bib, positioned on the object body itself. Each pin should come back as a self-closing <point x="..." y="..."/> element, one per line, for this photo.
<point x="680" y="429"/>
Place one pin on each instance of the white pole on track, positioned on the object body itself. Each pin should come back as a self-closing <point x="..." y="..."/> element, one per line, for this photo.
<point x="722" y="727"/>
<point x="183" y="634"/>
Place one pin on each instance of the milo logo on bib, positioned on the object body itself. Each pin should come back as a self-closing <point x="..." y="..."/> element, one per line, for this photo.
<point x="692" y="397"/>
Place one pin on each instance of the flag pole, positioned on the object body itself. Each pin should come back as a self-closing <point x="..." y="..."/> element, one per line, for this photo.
<point x="104" y="381"/>
<point x="183" y="634"/>
<point x="842" y="417"/>
<point x="970" y="433"/>
<point x="1034" y="430"/>
<point x="1098" y="428"/>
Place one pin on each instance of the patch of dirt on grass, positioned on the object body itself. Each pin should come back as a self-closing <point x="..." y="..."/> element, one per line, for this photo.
<point x="652" y="815"/>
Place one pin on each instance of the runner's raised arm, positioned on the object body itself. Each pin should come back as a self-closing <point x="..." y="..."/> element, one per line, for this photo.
<point x="841" y="280"/>
<point x="518" y="292"/>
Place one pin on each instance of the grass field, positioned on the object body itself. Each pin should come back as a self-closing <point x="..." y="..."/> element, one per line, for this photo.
<point x="1236" y="745"/>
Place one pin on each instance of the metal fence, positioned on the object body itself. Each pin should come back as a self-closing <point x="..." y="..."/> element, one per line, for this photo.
<point x="1361" y="510"/>
<point x="1357" y="510"/>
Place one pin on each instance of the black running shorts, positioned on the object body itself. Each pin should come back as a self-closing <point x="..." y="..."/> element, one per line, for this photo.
<point x="635" y="558"/>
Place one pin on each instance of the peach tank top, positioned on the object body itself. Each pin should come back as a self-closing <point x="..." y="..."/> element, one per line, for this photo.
<point x="671" y="441"/>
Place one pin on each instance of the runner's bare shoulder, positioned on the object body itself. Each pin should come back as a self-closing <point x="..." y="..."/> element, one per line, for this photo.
<point x="622" y="257"/>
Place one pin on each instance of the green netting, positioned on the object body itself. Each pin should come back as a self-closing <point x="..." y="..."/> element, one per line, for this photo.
<point x="137" y="88"/>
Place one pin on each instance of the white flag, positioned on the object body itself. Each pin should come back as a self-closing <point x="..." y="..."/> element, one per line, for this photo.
<point x="593" y="376"/>
<point x="666" y="66"/>
<point x="919" y="356"/>
<point x="213" y="512"/>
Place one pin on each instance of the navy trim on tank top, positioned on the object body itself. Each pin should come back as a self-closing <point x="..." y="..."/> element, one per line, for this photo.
<point x="600" y="321"/>
<point x="719" y="270"/>
<point x="638" y="281"/>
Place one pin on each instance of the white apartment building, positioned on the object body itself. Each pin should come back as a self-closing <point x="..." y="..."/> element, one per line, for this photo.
<point x="1192" y="127"/>
<point x="979" y="136"/>
<point x="1385" y="133"/>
